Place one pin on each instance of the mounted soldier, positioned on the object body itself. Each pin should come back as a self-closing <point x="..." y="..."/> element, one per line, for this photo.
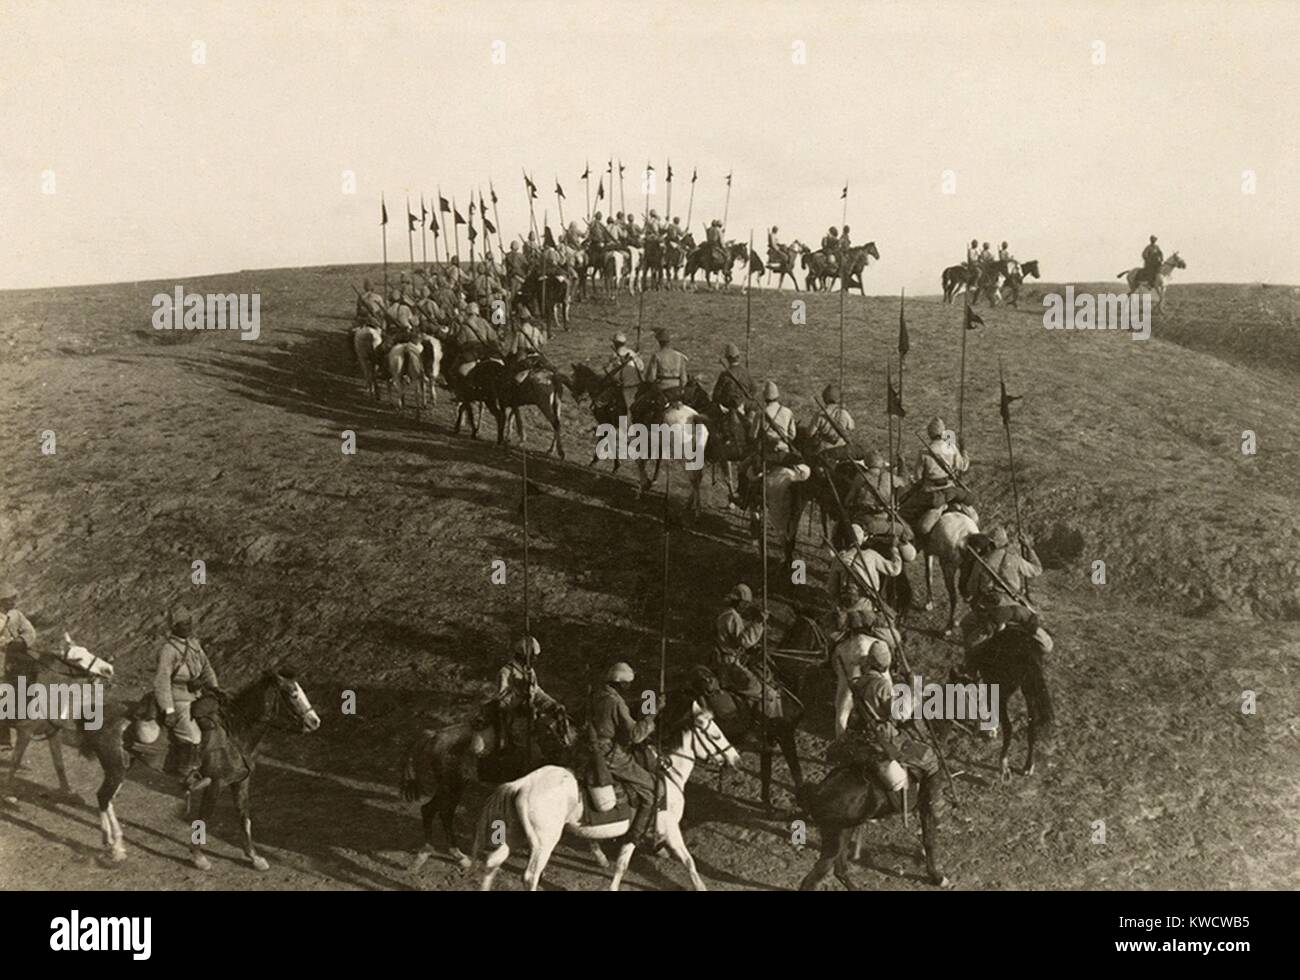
<point x="625" y="371"/>
<point x="616" y="736"/>
<point x="734" y="387"/>
<point x="850" y="659"/>
<point x="938" y="463"/>
<point x="17" y="638"/>
<point x="826" y="433"/>
<point x="1152" y="259"/>
<point x="737" y="644"/>
<point x="518" y="696"/>
<point x="183" y="672"/>
<point x="831" y="249"/>
<point x="779" y="431"/>
<point x="995" y="605"/>
<point x="667" y="367"/>
<point x="524" y="350"/>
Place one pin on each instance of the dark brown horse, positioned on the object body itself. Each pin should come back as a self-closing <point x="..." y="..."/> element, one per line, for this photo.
<point x="1012" y="661"/>
<point x="711" y="259"/>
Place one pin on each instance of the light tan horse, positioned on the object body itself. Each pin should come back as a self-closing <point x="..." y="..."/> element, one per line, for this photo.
<point x="1135" y="277"/>
<point x="538" y="809"/>
<point x="946" y="543"/>
<point x="366" y="339"/>
<point x="406" y="366"/>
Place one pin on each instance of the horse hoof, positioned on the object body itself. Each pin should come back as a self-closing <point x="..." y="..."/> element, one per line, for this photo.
<point x="200" y="862"/>
<point x="939" y="880"/>
<point x="260" y="863"/>
<point x="419" y="862"/>
<point x="462" y="859"/>
<point x="118" y="855"/>
<point x="11" y="801"/>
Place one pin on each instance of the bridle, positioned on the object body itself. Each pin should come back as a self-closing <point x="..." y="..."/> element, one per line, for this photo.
<point x="713" y="749"/>
<point x="273" y="721"/>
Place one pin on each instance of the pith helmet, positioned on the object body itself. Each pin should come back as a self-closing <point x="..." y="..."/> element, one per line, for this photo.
<point x="619" y="673"/>
<point x="934" y="428"/>
<point x="771" y="392"/>
<point x="742" y="592"/>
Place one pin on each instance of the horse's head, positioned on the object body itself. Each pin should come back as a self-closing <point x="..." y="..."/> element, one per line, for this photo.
<point x="556" y="725"/>
<point x="1030" y="268"/>
<point x="83" y="660"/>
<point x="1176" y="262"/>
<point x="281" y="693"/>
<point x="871" y="250"/>
<point x="704" y="739"/>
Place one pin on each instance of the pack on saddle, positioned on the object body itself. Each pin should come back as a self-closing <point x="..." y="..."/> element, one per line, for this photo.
<point x="152" y="743"/>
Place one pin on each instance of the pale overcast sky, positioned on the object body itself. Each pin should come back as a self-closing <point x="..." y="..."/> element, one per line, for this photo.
<point x="165" y="168"/>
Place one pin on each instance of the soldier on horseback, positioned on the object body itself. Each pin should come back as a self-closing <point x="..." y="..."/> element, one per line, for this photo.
<point x="625" y="370"/>
<point x="474" y="341"/>
<point x="182" y="673"/>
<point x="737" y="641"/>
<point x="526" y="342"/>
<point x="17" y="637"/>
<point x="826" y="433"/>
<point x="518" y="694"/>
<point x="993" y="605"/>
<point x="938" y="463"/>
<point x="667" y="367"/>
<point x="1152" y="259"/>
<point x="779" y="430"/>
<point x="616" y="736"/>
<point x="734" y="387"/>
<point x="831" y="248"/>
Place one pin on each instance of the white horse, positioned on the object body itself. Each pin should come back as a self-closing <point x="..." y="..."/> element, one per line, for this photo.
<point x="785" y="505"/>
<point x="689" y="436"/>
<point x="535" y="810"/>
<point x="406" y="366"/>
<point x="946" y="543"/>
<point x="431" y="357"/>
<point x="1158" y="287"/>
<point x="365" y="340"/>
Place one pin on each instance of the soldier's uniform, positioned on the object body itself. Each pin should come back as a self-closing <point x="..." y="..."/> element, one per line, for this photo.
<point x="936" y="484"/>
<point x="991" y="606"/>
<point x="615" y="734"/>
<point x="17" y="638"/>
<point x="667" y="369"/>
<point x="626" y="370"/>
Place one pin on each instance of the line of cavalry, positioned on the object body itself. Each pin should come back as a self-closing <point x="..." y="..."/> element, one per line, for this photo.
<point x="608" y="773"/>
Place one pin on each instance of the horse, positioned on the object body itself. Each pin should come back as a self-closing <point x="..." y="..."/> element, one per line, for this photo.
<point x="73" y="665"/>
<point x="845" y="800"/>
<point x="822" y="271"/>
<point x="955" y="278"/>
<point x="481" y="385"/>
<point x="366" y="343"/>
<point x="674" y="254"/>
<point x="606" y="399"/>
<point x="1015" y="279"/>
<point x="652" y="267"/>
<point x="440" y="764"/>
<point x="710" y="259"/>
<point x="685" y="423"/>
<point x="1139" y="276"/>
<point x="549" y="302"/>
<point x="855" y="262"/>
<point x="783" y="262"/>
<point x="1012" y="661"/>
<point x="242" y="721"/>
<point x="540" y="386"/>
<point x="405" y="363"/>
<point x="536" y="809"/>
<point x="945" y="542"/>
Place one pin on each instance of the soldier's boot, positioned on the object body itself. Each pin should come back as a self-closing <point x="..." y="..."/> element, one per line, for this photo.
<point x="187" y="763"/>
<point x="1044" y="640"/>
<point x="642" y="820"/>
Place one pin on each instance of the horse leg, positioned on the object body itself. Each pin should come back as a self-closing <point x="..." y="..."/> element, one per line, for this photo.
<point x="540" y="847"/>
<point x="831" y="843"/>
<point x="1004" y="717"/>
<point x="427" y="811"/>
<point x="765" y="775"/>
<point x="842" y="857"/>
<point x="241" y="793"/>
<point x="929" y="581"/>
<point x="56" y="756"/>
<point x="451" y="800"/>
<point x="790" y="750"/>
<point x="620" y="864"/>
<point x="198" y="833"/>
<point x="949" y="581"/>
<point x="492" y="864"/>
<point x="598" y="854"/>
<point x="677" y="847"/>
<point x="22" y="737"/>
<point x="1030" y="731"/>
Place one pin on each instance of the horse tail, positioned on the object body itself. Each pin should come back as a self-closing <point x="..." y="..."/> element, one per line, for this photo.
<point x="1037" y="696"/>
<point x="1122" y="274"/>
<point x="499" y="811"/>
<point x="409" y="783"/>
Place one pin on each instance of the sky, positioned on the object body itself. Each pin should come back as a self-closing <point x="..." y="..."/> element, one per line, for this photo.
<point x="162" y="140"/>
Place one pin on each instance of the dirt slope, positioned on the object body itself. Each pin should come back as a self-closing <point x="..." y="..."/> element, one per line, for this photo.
<point x="370" y="573"/>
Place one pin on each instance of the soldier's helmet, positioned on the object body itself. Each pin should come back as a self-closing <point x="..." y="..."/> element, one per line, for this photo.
<point x="619" y="339"/>
<point x="677" y="220"/>
<point x="596" y="216"/>
<point x="654" y="213"/>
<point x="741" y="593"/>
<point x="860" y="619"/>
<point x="875" y="459"/>
<point x="663" y="336"/>
<point x="834" y="230"/>
<point x="999" y="537"/>
<point x="831" y="394"/>
<point x="770" y="391"/>
<point x="934" y="428"/>
<point x="974" y="242"/>
<point x="986" y="245"/>
<point x="1153" y="239"/>
<point x="366" y="285"/>
<point x="528" y="647"/>
<point x="620" y="673"/>
<point x="731" y="352"/>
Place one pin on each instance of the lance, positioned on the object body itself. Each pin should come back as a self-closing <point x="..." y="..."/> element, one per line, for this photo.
<point x="545" y="318"/>
<point x="446" y="252"/>
<point x="843" y="290"/>
<point x="528" y="646"/>
<point x="645" y="180"/>
<point x="410" y="232"/>
<point x="559" y="201"/>
<point x="424" y="239"/>
<point x="433" y="226"/>
<point x="586" y="182"/>
<point x="668" y="208"/>
<point x="727" y="205"/>
<point x="690" y="204"/>
<point x="844" y="208"/>
<point x="496" y="216"/>
<point x="762" y="448"/>
<point x="663" y="617"/>
<point x="1005" y="407"/>
<point x="622" y="201"/>
<point x="487" y="228"/>
<point x="383" y="221"/>
<point x="889" y="422"/>
<point x="748" y="297"/>
<point x="532" y="214"/>
<point x="471" y="234"/>
<point x="455" y="230"/>
<point x="961" y="378"/>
